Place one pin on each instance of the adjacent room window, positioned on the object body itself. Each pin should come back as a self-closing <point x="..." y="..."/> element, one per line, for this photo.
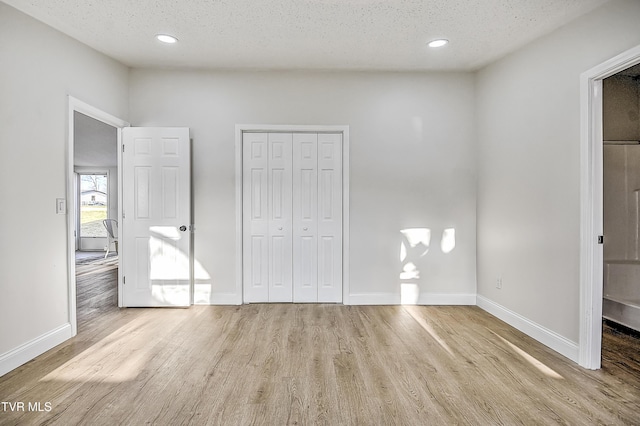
<point x="93" y="204"/>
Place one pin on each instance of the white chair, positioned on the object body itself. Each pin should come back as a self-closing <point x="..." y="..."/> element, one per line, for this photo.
<point x="112" y="234"/>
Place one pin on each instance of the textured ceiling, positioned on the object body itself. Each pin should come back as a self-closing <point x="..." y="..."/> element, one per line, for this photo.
<point x="306" y="34"/>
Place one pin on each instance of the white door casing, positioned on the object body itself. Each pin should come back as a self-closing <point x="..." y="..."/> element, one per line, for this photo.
<point x="294" y="252"/>
<point x="591" y="215"/>
<point x="156" y="216"/>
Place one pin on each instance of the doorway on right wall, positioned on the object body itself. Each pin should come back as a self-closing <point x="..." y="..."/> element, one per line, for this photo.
<point x="621" y="219"/>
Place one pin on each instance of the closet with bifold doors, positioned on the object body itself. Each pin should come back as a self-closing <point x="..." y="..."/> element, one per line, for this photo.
<point x="292" y="217"/>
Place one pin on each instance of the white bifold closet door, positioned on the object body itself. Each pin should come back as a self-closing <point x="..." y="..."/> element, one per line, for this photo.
<point x="292" y="217"/>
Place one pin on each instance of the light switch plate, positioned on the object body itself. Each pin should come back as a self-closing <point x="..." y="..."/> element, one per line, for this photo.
<point x="61" y="206"/>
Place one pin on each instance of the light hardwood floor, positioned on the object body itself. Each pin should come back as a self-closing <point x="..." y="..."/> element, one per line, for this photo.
<point x="310" y="364"/>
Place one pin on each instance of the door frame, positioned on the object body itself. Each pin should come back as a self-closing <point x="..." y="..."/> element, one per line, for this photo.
<point x="293" y="128"/>
<point x="591" y="205"/>
<point x="76" y="105"/>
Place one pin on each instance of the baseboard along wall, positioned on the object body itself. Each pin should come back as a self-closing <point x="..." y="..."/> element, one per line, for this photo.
<point x="29" y="350"/>
<point x="542" y="334"/>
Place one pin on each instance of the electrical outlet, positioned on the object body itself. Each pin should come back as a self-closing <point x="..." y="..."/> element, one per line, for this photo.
<point x="499" y="283"/>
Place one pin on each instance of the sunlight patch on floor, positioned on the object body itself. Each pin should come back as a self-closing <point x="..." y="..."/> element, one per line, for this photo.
<point x="415" y="314"/>
<point x="108" y="361"/>
<point x="530" y="359"/>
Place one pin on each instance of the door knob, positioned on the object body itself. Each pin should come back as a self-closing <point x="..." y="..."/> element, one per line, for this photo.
<point x="183" y="228"/>
<point x="279" y="228"/>
<point x="305" y="229"/>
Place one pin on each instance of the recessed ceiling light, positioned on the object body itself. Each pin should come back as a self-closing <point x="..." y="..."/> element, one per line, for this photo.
<point x="166" y="38"/>
<point x="438" y="43"/>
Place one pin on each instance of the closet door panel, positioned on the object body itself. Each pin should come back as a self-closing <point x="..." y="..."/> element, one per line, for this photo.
<point x="280" y="217"/>
<point x="255" y="245"/>
<point x="330" y="218"/>
<point x="305" y="214"/>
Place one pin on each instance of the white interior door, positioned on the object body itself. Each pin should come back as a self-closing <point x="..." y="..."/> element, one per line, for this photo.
<point x="292" y="217"/>
<point x="156" y="231"/>
<point x="329" y="217"/>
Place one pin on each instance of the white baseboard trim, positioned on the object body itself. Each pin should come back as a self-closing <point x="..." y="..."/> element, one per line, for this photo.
<point x="374" y="299"/>
<point x="447" y="299"/>
<point x="542" y="334"/>
<point x="423" y="299"/>
<point x="28" y="351"/>
<point x="367" y="299"/>
<point x="222" y="299"/>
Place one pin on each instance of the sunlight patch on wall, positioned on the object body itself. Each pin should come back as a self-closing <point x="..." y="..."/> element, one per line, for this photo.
<point x="409" y="293"/>
<point x="413" y="247"/>
<point x="448" y="242"/>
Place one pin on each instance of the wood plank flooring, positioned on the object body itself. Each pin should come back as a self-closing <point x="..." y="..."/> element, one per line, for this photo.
<point x="96" y="266"/>
<point x="310" y="364"/>
<point x="621" y="351"/>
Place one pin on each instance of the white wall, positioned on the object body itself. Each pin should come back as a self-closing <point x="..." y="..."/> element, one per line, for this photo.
<point x="412" y="163"/>
<point x="40" y="67"/>
<point x="529" y="166"/>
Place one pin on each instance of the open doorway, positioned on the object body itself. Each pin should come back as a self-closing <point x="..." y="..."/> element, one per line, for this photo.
<point x="621" y="219"/>
<point x="94" y="209"/>
<point x="95" y="203"/>
<point x="592" y="260"/>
